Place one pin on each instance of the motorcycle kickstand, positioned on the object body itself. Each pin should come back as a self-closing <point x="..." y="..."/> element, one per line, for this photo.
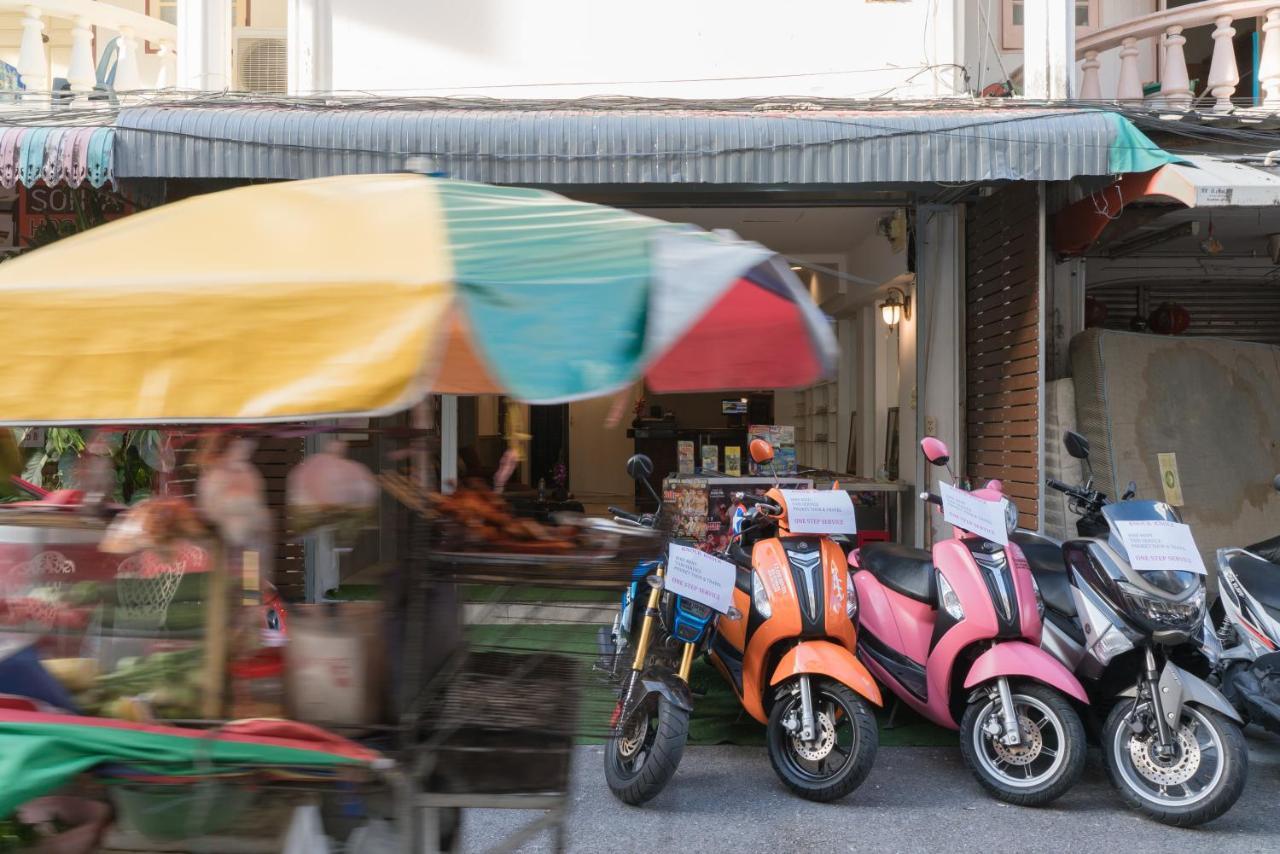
<point x="893" y="714"/>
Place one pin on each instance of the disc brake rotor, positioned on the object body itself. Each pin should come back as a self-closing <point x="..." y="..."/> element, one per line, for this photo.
<point x="1173" y="772"/>
<point x="821" y="745"/>
<point x="633" y="735"/>
<point x="1027" y="751"/>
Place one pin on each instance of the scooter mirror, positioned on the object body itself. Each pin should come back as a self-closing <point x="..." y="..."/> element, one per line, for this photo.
<point x="1130" y="491"/>
<point x="761" y="451"/>
<point x="639" y="467"/>
<point x="1077" y="445"/>
<point x="1275" y="484"/>
<point x="935" y="450"/>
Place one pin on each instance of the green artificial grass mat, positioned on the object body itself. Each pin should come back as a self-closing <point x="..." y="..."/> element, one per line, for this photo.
<point x="487" y="593"/>
<point x="492" y="592"/>
<point x="718" y="717"/>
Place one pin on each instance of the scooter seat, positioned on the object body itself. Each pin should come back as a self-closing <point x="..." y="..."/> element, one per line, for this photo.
<point x="1267" y="549"/>
<point x="1260" y="578"/>
<point x="902" y="569"/>
<point x="1051" y="575"/>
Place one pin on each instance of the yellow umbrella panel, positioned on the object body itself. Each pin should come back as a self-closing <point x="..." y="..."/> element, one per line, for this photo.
<point x="264" y="303"/>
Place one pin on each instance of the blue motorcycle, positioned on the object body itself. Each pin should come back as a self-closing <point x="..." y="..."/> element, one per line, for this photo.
<point x="656" y="636"/>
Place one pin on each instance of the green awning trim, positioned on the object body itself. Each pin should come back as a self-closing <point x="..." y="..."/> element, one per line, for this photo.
<point x="1132" y="150"/>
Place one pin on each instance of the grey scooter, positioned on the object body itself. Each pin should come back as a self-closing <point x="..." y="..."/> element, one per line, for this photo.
<point x="1172" y="743"/>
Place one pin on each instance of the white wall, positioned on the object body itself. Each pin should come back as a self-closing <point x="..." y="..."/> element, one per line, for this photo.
<point x="598" y="454"/>
<point x="939" y="312"/>
<point x="879" y="359"/>
<point x="702" y="49"/>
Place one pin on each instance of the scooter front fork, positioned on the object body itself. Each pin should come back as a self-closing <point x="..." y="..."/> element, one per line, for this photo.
<point x="686" y="661"/>
<point x="807" y="723"/>
<point x="646" y="625"/>
<point x="1163" y="733"/>
<point x="1012" y="732"/>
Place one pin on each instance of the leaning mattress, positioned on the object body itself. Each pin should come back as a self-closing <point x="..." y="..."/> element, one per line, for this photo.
<point x="1214" y="403"/>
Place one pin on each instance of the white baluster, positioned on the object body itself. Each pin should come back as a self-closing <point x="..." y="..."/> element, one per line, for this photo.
<point x="33" y="64"/>
<point x="167" y="74"/>
<point x="1175" y="85"/>
<point x="1090" y="82"/>
<point x="127" y="77"/>
<point x="1223" y="75"/>
<point x="1269" y="64"/>
<point x="81" y="73"/>
<point x="1129" y="89"/>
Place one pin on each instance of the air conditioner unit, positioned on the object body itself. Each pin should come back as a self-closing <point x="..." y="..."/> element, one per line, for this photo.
<point x="261" y="61"/>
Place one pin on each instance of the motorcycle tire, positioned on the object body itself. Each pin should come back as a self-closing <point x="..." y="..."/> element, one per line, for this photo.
<point x="1136" y="787"/>
<point x="667" y="730"/>
<point x="815" y="784"/>
<point x="985" y="756"/>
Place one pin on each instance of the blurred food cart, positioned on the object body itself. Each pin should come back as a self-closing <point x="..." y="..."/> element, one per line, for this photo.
<point x="131" y="633"/>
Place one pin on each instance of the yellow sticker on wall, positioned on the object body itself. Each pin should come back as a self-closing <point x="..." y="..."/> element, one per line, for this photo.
<point x="1169" y="479"/>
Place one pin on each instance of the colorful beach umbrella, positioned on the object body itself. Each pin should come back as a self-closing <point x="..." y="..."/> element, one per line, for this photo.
<point x="357" y="295"/>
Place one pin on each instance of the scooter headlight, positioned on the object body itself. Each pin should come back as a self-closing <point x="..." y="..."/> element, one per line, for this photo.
<point x="850" y="598"/>
<point x="1160" y="613"/>
<point x="760" y="596"/>
<point x="948" y="599"/>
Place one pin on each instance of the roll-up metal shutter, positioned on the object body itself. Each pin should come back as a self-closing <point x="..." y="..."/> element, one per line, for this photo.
<point x="1240" y="310"/>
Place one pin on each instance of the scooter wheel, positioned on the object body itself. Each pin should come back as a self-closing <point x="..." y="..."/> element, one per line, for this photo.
<point x="839" y="757"/>
<point x="642" y="756"/>
<point x="1200" y="780"/>
<point x="1048" y="762"/>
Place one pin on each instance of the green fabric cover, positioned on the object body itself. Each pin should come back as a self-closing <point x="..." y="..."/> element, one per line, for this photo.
<point x="38" y="758"/>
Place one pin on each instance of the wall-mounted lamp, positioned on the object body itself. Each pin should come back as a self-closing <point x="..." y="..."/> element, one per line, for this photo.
<point x="896" y="307"/>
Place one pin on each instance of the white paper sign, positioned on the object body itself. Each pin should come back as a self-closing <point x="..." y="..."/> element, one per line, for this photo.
<point x="1156" y="544"/>
<point x="973" y="514"/>
<point x="701" y="577"/>
<point x="819" y="511"/>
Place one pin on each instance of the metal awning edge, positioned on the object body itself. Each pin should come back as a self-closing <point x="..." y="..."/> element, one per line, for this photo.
<point x="636" y="147"/>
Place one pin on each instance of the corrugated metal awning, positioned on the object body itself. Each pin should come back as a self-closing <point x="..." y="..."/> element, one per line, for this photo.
<point x="631" y="146"/>
<point x="55" y="155"/>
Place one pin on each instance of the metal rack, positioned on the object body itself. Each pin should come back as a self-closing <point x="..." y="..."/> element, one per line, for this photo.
<point x="492" y="725"/>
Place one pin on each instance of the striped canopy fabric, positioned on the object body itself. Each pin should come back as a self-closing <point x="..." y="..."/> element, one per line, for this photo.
<point x="56" y="155"/>
<point x="357" y="295"/>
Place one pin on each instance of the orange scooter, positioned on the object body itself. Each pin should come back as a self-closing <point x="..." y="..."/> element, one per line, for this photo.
<point x="791" y="662"/>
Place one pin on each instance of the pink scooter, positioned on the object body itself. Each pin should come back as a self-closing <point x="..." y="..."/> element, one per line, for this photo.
<point x="956" y="636"/>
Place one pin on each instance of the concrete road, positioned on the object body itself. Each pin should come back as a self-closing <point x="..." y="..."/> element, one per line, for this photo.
<point x="917" y="799"/>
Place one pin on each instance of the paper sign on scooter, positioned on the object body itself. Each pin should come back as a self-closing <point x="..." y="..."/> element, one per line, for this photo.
<point x="973" y="514"/>
<point x="1155" y="544"/>
<point x="819" y="511"/>
<point x="701" y="577"/>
